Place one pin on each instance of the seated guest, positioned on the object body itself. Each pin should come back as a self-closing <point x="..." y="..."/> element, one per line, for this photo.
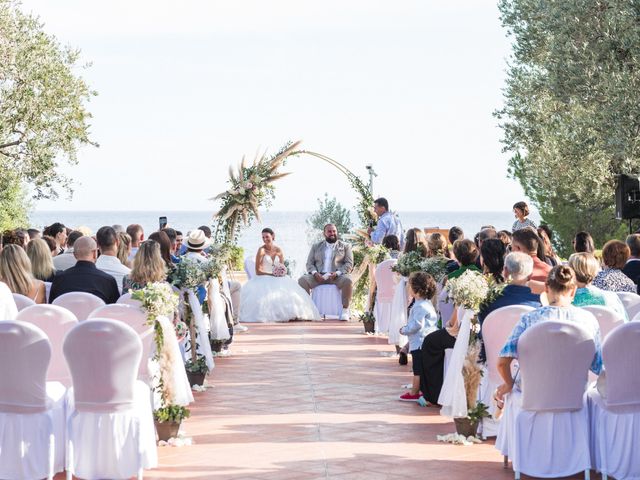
<point x="165" y="247"/>
<point x="39" y="254"/>
<point x="118" y="228"/>
<point x="15" y="271"/>
<point x="171" y="233"/>
<point x="84" y="276"/>
<point x="66" y="259"/>
<point x="583" y="242"/>
<point x="632" y="267"/>
<point x="148" y="267"/>
<point x="586" y="268"/>
<point x="416" y="241"/>
<point x="466" y="253"/>
<point x="521" y="211"/>
<point x="392" y="243"/>
<point x="455" y="233"/>
<point x="53" y="246"/>
<point x="33" y="233"/>
<point x="179" y="240"/>
<point x="614" y="257"/>
<point x="59" y="233"/>
<point x="136" y="233"/>
<point x="492" y="254"/>
<point x="560" y="288"/>
<point x="527" y="241"/>
<point x="108" y="262"/>
<point x="546" y="235"/>
<point x="438" y="247"/>
<point x="124" y="248"/>
<point x="505" y="237"/>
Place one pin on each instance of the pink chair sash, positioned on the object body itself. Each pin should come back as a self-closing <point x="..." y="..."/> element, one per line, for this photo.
<point x="25" y="352"/>
<point x="554" y="361"/>
<point x="385" y="281"/>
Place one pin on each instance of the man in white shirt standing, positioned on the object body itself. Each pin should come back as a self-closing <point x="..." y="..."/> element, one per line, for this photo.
<point x="388" y="223"/>
<point x="108" y="261"/>
<point x="67" y="259"/>
<point x="330" y="262"/>
<point x="136" y="233"/>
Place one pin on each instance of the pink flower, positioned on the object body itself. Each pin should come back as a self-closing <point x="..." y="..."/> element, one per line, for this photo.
<point x="248" y="186"/>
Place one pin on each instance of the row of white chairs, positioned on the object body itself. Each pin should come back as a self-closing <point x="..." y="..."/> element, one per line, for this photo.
<point x="44" y="428"/>
<point x="551" y="428"/>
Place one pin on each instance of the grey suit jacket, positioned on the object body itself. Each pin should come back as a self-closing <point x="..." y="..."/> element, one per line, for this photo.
<point x="342" y="260"/>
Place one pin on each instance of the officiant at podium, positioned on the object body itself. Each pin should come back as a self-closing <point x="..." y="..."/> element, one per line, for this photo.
<point x="330" y="262"/>
<point x="388" y="223"/>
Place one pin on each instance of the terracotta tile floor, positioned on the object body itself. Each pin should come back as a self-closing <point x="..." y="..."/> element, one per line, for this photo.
<point x="317" y="401"/>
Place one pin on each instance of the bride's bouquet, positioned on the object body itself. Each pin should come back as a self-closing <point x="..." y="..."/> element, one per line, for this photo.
<point x="279" y="270"/>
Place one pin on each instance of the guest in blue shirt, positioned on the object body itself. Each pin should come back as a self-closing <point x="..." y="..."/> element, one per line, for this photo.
<point x="388" y="223"/>
<point x="423" y="320"/>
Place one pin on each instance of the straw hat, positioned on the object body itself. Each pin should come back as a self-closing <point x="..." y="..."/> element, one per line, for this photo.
<point x="197" y="240"/>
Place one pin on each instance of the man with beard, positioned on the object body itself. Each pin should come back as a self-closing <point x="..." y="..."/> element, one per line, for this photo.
<point x="330" y="262"/>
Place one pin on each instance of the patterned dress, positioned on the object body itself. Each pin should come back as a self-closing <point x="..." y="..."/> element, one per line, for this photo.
<point x="614" y="280"/>
<point x="518" y="225"/>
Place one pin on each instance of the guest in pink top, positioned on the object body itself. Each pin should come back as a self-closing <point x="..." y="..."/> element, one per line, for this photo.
<point x="527" y="241"/>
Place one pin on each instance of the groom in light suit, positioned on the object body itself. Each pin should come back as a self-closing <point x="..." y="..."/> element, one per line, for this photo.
<point x="330" y="262"/>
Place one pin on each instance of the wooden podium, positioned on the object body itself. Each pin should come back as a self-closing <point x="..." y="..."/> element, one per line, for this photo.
<point x="442" y="231"/>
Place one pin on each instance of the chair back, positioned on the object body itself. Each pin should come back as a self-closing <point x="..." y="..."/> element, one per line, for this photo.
<point x="25" y="352"/>
<point x="250" y="267"/>
<point x="496" y="328"/>
<point x="81" y="304"/>
<point x="385" y="281"/>
<point x="22" y="302"/>
<point x="631" y="302"/>
<point x="621" y="357"/>
<point x="554" y="361"/>
<point x="55" y="322"/>
<point x="103" y="356"/>
<point x="607" y="318"/>
<point x="136" y="318"/>
<point x="126" y="299"/>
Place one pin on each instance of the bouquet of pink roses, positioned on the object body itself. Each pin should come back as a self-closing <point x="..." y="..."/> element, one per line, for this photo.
<point x="279" y="270"/>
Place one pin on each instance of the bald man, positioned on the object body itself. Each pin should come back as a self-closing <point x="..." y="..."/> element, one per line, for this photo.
<point x="84" y="276"/>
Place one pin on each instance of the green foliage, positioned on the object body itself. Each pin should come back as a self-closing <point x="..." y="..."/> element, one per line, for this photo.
<point x="571" y="116"/>
<point x="14" y="205"/>
<point x="237" y="258"/>
<point x="331" y="211"/>
<point x="199" y="366"/>
<point x="172" y="413"/>
<point x="43" y="118"/>
<point x="366" y="317"/>
<point x="477" y="413"/>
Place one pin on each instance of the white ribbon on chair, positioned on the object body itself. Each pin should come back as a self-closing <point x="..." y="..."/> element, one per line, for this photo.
<point x="175" y="378"/>
<point x="204" y="347"/>
<point x="452" y="396"/>
<point x="219" y="327"/>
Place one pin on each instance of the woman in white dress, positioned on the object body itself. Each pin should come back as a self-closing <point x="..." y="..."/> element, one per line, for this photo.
<point x="271" y="298"/>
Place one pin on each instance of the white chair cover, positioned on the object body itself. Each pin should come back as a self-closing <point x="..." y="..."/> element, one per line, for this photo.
<point x="110" y="431"/>
<point x="615" y="420"/>
<point x="607" y="318"/>
<point x="31" y="410"/>
<point x="55" y="322"/>
<point x="496" y="328"/>
<point x="631" y="302"/>
<point x="8" y="309"/>
<point x="386" y="281"/>
<point x="544" y="428"/>
<point x="444" y="306"/>
<point x="22" y="302"/>
<point x="219" y="327"/>
<point x="328" y="300"/>
<point x="125" y="299"/>
<point x="81" y="304"/>
<point x="398" y="318"/>
<point x="250" y="267"/>
<point x="136" y="319"/>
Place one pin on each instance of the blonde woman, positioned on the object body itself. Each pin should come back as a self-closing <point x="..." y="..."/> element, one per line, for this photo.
<point x="148" y="267"/>
<point x="15" y="271"/>
<point x="41" y="260"/>
<point x="124" y="249"/>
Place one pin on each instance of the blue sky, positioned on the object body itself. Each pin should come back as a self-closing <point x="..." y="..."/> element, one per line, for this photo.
<point x="187" y="88"/>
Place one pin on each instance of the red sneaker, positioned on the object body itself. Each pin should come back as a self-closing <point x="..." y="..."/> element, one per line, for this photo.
<point x="408" y="397"/>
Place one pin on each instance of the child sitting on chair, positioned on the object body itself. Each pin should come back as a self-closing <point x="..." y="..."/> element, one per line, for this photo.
<point x="422" y="321"/>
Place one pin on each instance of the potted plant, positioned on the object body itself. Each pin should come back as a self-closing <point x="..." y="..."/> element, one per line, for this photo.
<point x="216" y="345"/>
<point x="168" y="420"/>
<point x="369" y="322"/>
<point x="196" y="370"/>
<point x="472" y="374"/>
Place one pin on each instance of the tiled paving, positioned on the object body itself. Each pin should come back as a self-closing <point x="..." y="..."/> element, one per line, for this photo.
<point x="317" y="401"/>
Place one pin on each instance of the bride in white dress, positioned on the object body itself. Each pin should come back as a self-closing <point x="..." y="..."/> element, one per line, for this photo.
<point x="267" y="298"/>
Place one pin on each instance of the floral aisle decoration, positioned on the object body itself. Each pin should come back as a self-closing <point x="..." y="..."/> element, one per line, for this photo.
<point x="458" y="397"/>
<point x="408" y="263"/>
<point x="251" y="187"/>
<point x="160" y="303"/>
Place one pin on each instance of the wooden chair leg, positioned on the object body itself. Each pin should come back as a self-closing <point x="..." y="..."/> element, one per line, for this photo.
<point x="505" y="462"/>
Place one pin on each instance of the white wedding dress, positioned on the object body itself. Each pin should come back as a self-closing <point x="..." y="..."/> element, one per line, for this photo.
<point x="274" y="299"/>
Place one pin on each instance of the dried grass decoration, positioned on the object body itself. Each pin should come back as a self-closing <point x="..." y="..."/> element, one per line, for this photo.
<point x="251" y="188"/>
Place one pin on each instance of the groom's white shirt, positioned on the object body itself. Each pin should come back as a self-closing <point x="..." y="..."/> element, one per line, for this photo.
<point x="328" y="255"/>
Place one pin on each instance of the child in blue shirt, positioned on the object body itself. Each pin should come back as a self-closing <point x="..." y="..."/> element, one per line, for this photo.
<point x="422" y="321"/>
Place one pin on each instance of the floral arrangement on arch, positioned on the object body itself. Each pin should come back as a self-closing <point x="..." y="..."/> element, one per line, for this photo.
<point x="250" y="188"/>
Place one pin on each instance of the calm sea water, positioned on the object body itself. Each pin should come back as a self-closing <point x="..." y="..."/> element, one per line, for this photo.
<point x="292" y="231"/>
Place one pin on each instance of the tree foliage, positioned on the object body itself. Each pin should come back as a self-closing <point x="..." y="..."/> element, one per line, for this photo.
<point x="330" y="211"/>
<point x="571" y="117"/>
<point x="43" y="115"/>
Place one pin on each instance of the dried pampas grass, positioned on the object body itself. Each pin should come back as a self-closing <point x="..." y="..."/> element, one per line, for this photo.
<point x="472" y="373"/>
